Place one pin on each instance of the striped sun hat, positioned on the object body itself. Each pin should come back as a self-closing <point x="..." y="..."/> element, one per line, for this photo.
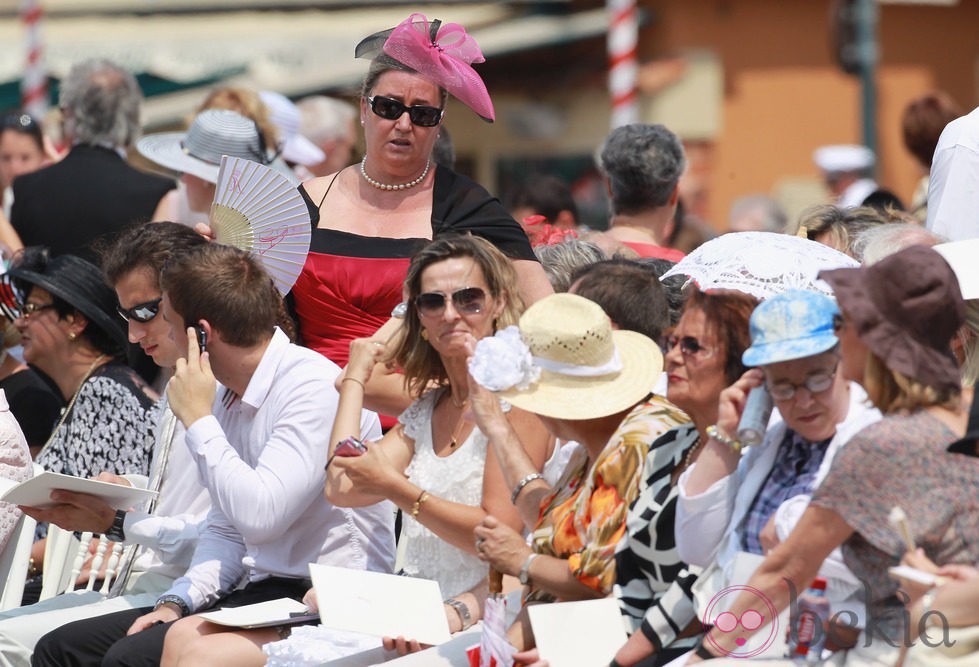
<point x="198" y="151"/>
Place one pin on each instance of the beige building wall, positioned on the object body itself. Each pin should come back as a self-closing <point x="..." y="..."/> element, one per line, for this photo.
<point x="761" y="92"/>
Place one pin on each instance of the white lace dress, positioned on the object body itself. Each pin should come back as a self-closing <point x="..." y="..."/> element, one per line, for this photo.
<point x="457" y="477"/>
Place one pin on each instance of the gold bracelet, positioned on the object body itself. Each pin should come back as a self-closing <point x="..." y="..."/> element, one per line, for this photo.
<point x="417" y="507"/>
<point x="362" y="385"/>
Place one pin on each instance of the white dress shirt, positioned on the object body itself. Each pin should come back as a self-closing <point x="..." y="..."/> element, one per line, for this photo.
<point x="953" y="189"/>
<point x="172" y="530"/>
<point x="262" y="457"/>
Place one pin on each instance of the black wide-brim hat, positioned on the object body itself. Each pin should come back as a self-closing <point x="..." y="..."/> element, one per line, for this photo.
<point x="80" y="284"/>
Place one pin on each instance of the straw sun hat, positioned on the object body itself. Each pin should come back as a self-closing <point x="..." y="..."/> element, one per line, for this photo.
<point x="567" y="362"/>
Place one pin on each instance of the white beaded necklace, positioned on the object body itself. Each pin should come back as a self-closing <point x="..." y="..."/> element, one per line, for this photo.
<point x="400" y="186"/>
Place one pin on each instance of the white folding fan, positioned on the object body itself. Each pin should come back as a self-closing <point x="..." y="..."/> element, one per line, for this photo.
<point x="257" y="209"/>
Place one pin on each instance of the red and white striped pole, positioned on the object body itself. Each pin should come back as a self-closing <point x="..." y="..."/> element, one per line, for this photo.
<point x="623" y="37"/>
<point x="34" y="84"/>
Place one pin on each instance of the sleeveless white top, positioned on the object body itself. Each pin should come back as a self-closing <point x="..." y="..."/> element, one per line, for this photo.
<point x="457" y="477"/>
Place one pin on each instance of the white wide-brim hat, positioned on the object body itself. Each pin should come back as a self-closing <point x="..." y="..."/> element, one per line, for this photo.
<point x="285" y="115"/>
<point x="198" y="151"/>
<point x="587" y="369"/>
<point x="962" y="257"/>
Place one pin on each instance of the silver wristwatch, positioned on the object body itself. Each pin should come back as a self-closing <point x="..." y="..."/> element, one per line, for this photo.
<point x="463" y="611"/>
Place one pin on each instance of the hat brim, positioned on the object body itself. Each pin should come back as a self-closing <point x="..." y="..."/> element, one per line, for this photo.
<point x="894" y="345"/>
<point x="300" y="150"/>
<point x="166" y="149"/>
<point x="961" y="256"/>
<point x="789" y="350"/>
<point x="110" y="323"/>
<point x="577" y="398"/>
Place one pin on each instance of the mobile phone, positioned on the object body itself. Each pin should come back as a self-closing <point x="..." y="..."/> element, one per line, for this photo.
<point x="201" y="337"/>
<point x="754" y="419"/>
<point x="347" y="447"/>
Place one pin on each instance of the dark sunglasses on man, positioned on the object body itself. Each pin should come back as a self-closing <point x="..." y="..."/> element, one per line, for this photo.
<point x="391" y="109"/>
<point x="141" y="312"/>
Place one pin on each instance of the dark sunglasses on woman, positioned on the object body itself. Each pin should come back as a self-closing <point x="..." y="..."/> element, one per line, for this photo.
<point x="141" y="312"/>
<point x="467" y="301"/>
<point x="688" y="345"/>
<point x="391" y="109"/>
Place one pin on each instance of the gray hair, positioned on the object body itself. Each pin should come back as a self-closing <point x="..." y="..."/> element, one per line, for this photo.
<point x="875" y="243"/>
<point x="761" y="208"/>
<point x="563" y="259"/>
<point x="101" y="102"/>
<point x="325" y="118"/>
<point x="643" y="164"/>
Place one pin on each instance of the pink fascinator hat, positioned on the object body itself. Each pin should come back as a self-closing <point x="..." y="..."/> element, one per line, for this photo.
<point x="442" y="52"/>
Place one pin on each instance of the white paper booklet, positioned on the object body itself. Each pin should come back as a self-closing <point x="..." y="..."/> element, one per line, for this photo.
<point x="263" y="614"/>
<point x="383" y="605"/>
<point x="36" y="491"/>
<point x="570" y="634"/>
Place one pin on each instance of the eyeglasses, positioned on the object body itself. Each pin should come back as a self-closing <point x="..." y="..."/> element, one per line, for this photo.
<point x="839" y="324"/>
<point x="141" y="312"/>
<point x="390" y="109"/>
<point x="467" y="301"/>
<point x="29" y="309"/>
<point x="816" y="383"/>
<point x="689" y="345"/>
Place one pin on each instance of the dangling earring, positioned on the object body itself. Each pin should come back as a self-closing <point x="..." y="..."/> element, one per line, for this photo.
<point x="424" y="334"/>
<point x="495" y="328"/>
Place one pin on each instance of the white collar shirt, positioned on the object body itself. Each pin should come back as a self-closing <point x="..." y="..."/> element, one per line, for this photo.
<point x="262" y="457"/>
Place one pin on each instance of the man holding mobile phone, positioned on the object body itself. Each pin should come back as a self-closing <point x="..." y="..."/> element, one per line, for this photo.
<point x="259" y="445"/>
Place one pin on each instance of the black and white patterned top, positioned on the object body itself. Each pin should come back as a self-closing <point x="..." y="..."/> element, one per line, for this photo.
<point x="110" y="427"/>
<point x="653" y="586"/>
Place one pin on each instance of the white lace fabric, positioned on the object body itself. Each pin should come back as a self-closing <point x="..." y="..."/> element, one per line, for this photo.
<point x="457" y="477"/>
<point x="761" y="264"/>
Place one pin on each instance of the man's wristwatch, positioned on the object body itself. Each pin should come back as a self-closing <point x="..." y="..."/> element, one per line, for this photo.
<point x="116" y="532"/>
<point x="174" y="600"/>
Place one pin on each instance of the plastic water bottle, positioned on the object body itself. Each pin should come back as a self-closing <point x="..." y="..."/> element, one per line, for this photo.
<point x="808" y="634"/>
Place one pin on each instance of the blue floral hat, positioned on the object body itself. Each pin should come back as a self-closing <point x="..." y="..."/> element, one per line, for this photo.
<point x="792" y="325"/>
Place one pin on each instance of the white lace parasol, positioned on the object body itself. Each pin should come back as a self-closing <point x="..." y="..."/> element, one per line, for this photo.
<point x="761" y="264"/>
<point x="259" y="210"/>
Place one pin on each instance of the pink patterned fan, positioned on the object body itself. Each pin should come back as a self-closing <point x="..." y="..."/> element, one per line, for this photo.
<point x="257" y="209"/>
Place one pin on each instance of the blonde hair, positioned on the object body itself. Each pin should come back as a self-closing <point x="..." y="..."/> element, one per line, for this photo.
<point x="421" y="363"/>
<point x="892" y="392"/>
<point x="247" y="103"/>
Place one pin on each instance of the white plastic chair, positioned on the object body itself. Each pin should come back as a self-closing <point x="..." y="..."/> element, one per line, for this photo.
<point x="64" y="556"/>
<point x="14" y="562"/>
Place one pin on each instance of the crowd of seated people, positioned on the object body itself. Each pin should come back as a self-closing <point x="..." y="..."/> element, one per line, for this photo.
<point x="526" y="397"/>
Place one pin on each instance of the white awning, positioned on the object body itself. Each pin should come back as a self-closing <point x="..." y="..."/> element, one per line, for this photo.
<point x="291" y="52"/>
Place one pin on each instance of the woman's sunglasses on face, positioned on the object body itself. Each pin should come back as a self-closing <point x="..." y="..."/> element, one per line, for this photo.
<point x="141" y="312"/>
<point x="467" y="301"/>
<point x="689" y="346"/>
<point x="391" y="109"/>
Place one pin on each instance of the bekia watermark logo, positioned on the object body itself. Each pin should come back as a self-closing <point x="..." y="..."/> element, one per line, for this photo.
<point x="761" y="612"/>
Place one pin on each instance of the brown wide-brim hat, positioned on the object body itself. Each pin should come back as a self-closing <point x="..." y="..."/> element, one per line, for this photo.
<point x="906" y="309"/>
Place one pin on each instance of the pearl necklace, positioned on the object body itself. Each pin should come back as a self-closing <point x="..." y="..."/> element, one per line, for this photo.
<point x="400" y="186"/>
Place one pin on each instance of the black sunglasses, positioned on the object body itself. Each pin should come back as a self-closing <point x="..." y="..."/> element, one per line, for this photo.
<point x="390" y="109"/>
<point x="467" y="301"/>
<point x="688" y="345"/>
<point x="141" y="312"/>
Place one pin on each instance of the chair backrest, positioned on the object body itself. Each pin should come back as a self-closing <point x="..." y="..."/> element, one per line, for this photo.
<point x="14" y="562"/>
<point x="65" y="556"/>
